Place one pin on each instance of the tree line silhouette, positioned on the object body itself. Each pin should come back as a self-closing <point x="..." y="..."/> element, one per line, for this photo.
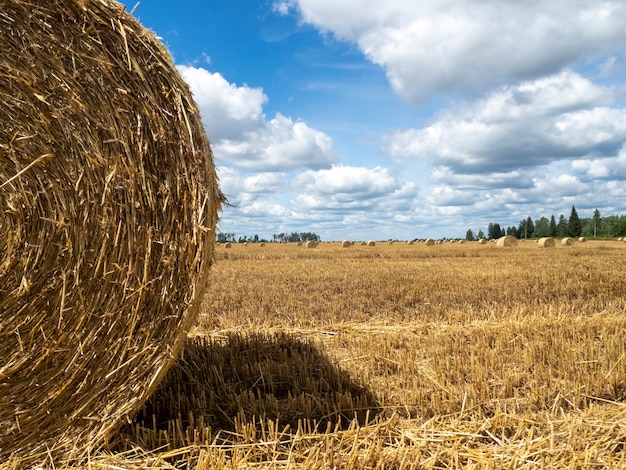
<point x="592" y="227"/>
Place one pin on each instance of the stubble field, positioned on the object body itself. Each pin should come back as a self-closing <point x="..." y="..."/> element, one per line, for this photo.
<point x="397" y="356"/>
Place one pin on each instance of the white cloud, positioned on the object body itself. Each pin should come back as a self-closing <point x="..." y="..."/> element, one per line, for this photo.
<point x="560" y="117"/>
<point x="560" y="186"/>
<point x="278" y="145"/>
<point x="356" y="181"/>
<point x="241" y="134"/>
<point x="228" y="111"/>
<point x="354" y="189"/>
<point x="603" y="168"/>
<point x="455" y="45"/>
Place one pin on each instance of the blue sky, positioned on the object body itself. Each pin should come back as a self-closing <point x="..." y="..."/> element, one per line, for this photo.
<point x="377" y="119"/>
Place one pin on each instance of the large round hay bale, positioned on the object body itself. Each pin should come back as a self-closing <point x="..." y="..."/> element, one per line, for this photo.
<point x="346" y="244"/>
<point x="546" y="242"/>
<point x="430" y="242"/>
<point x="311" y="244"/>
<point x="507" y="241"/>
<point x="108" y="204"/>
<point x="582" y="239"/>
<point x="567" y="241"/>
<point x="482" y="241"/>
<point x="371" y="243"/>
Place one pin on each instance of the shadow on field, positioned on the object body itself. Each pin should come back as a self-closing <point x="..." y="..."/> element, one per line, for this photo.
<point x="224" y="384"/>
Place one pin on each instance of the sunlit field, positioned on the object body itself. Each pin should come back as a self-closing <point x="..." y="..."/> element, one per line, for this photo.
<point x="397" y="356"/>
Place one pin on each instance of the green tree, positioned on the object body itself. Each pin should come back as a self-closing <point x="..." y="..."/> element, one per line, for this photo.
<point x="561" y="228"/>
<point x="542" y="228"/>
<point x="469" y="235"/>
<point x="494" y="231"/>
<point x="481" y="235"/>
<point x="597" y="220"/>
<point x="574" y="227"/>
<point x="525" y="228"/>
<point x="553" y="228"/>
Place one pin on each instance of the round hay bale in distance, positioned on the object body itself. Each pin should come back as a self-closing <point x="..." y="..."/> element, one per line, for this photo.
<point x="228" y="245"/>
<point x="311" y="244"/>
<point x="507" y="241"/>
<point x="371" y="243"/>
<point x="108" y="206"/>
<point x="567" y="241"/>
<point x="582" y="239"/>
<point x="430" y="242"/>
<point x="346" y="244"/>
<point x="482" y="241"/>
<point x="546" y="242"/>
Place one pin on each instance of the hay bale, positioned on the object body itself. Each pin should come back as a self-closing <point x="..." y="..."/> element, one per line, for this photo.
<point x="582" y="239"/>
<point x="311" y="244"/>
<point x="430" y="242"/>
<point x="363" y="243"/>
<point x="482" y="241"/>
<point x="108" y="204"/>
<point x="262" y="244"/>
<point x="546" y="242"/>
<point x="228" y="245"/>
<point x="461" y="242"/>
<point x="567" y="241"/>
<point x="371" y="243"/>
<point x="507" y="241"/>
<point x="346" y="244"/>
<point x="410" y="242"/>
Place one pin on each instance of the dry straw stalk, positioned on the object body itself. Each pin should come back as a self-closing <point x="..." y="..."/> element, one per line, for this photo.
<point x="109" y="200"/>
<point x="507" y="241"/>
<point x="546" y="242"/>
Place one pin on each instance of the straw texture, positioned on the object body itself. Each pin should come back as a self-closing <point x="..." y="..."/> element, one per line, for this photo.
<point x="546" y="242"/>
<point x="108" y="203"/>
<point x="507" y="241"/>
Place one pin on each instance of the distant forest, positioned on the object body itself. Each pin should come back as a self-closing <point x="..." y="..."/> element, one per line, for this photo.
<point x="276" y="238"/>
<point x="592" y="227"/>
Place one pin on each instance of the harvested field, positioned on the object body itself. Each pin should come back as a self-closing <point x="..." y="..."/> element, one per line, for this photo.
<point x="381" y="357"/>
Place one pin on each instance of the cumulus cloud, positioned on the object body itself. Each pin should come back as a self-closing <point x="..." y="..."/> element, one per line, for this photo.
<point x="228" y="111"/>
<point x="454" y="45"/>
<point x="564" y="116"/>
<point x="613" y="168"/>
<point x="343" y="187"/>
<point x="241" y="134"/>
<point x="279" y="145"/>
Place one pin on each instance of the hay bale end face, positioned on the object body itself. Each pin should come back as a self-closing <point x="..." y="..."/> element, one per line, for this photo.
<point x="108" y="205"/>
<point x="567" y="241"/>
<point x="582" y="239"/>
<point x="311" y="244"/>
<point x="546" y="242"/>
<point x="430" y="242"/>
<point x="346" y="244"/>
<point x="371" y="243"/>
<point x="507" y="241"/>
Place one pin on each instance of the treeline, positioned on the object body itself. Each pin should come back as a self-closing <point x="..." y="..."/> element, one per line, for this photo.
<point x="592" y="227"/>
<point x="224" y="237"/>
